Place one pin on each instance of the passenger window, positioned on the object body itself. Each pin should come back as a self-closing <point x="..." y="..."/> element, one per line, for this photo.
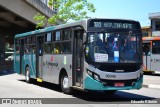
<point x="156" y="47"/>
<point x="156" y="50"/>
<point x="57" y="48"/>
<point x="66" y="47"/>
<point x="53" y="36"/>
<point x="33" y="49"/>
<point x="27" y="40"/>
<point x="17" y="42"/>
<point x="27" y="49"/>
<point x="146" y="49"/>
<point x="66" y="35"/>
<point x="17" y="49"/>
<point x="58" y="36"/>
<point x="48" y="37"/>
<point x="48" y="48"/>
<point x="33" y="39"/>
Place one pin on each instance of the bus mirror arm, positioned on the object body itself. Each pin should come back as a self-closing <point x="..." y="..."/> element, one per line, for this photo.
<point x="85" y="42"/>
<point x="84" y="38"/>
<point x="81" y="51"/>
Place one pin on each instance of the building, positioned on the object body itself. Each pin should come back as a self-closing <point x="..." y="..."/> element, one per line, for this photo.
<point x="16" y="16"/>
<point x="146" y="31"/>
<point x="155" y="23"/>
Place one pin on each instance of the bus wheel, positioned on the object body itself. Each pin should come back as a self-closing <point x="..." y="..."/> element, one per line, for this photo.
<point x="27" y="75"/>
<point x="110" y="92"/>
<point x="65" y="84"/>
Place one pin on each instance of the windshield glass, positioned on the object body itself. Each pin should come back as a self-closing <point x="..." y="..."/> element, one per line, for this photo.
<point x="113" y="47"/>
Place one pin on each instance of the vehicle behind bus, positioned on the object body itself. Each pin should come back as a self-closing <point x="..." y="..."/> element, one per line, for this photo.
<point x="92" y="54"/>
<point x="151" y="55"/>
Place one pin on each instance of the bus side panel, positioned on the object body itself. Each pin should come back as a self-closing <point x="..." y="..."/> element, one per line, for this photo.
<point x="52" y="64"/>
<point x="17" y="63"/>
<point x="147" y="63"/>
<point x="24" y="63"/>
<point x="155" y="63"/>
<point x="49" y="68"/>
<point x="30" y="60"/>
<point x="144" y="63"/>
<point x="21" y="65"/>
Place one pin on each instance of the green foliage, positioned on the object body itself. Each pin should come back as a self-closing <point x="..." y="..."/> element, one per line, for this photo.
<point x="66" y="10"/>
<point x="41" y="19"/>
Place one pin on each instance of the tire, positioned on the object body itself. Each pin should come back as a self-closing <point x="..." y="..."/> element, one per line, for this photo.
<point x="110" y="92"/>
<point x="27" y="75"/>
<point x="65" y="84"/>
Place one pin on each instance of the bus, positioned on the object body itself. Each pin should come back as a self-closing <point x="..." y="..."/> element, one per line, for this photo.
<point x="88" y="55"/>
<point x="151" y="54"/>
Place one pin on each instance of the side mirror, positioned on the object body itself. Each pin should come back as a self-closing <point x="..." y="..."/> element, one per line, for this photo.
<point x="84" y="38"/>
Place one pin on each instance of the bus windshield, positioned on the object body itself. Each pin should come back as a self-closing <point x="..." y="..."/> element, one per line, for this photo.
<point x="113" y="47"/>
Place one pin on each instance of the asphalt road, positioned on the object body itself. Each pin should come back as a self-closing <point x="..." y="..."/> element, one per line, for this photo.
<point x="14" y="86"/>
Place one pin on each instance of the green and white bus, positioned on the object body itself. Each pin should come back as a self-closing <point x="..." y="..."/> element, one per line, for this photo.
<point x="91" y="54"/>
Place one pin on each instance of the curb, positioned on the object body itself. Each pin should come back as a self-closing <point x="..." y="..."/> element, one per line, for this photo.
<point x="5" y="72"/>
<point x="152" y="86"/>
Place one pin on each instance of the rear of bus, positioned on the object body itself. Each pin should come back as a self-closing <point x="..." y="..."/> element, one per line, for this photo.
<point x="151" y="55"/>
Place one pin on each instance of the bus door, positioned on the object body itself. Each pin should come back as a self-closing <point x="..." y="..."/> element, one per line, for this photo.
<point x="39" y="56"/>
<point x="78" y="58"/>
<point x="21" y="55"/>
<point x="155" y="57"/>
<point x="147" y="56"/>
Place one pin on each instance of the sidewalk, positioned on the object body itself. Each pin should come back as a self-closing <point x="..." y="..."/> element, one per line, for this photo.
<point x="151" y="81"/>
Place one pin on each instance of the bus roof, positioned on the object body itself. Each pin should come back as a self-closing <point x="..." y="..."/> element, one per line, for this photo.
<point x="35" y="32"/>
<point x="77" y="23"/>
<point x="150" y="38"/>
<point x="48" y="29"/>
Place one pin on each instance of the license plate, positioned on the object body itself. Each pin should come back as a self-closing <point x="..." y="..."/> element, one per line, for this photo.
<point x="119" y="84"/>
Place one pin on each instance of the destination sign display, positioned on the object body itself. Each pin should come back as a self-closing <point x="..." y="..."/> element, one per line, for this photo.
<point x="111" y="24"/>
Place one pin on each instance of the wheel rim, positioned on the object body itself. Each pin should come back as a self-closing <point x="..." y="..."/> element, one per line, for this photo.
<point x="27" y="75"/>
<point x="65" y="82"/>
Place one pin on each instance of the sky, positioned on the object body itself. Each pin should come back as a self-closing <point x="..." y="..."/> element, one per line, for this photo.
<point x="126" y="9"/>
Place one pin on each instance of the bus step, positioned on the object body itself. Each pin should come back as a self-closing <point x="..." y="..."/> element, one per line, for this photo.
<point x="78" y="88"/>
<point x="39" y="80"/>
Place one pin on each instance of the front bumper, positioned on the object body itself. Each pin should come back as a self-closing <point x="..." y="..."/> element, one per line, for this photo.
<point x="92" y="84"/>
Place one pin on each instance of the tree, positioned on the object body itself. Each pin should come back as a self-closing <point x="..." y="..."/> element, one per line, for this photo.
<point x="66" y="10"/>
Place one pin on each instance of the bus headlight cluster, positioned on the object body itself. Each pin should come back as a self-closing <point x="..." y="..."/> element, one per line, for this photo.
<point x="89" y="73"/>
<point x="93" y="75"/>
<point x="96" y="77"/>
<point x="139" y="76"/>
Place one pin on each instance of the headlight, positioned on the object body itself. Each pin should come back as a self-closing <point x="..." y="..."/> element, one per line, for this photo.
<point x="96" y="77"/>
<point x="139" y="76"/>
<point x="93" y="75"/>
<point x="89" y="73"/>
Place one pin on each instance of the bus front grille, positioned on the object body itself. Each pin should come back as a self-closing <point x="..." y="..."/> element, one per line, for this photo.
<point x="111" y="83"/>
<point x="119" y="68"/>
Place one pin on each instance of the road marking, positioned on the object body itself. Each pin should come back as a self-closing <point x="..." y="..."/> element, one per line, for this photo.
<point x="152" y="86"/>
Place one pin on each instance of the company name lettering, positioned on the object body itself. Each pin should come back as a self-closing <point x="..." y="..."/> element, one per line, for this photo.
<point x="51" y="64"/>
